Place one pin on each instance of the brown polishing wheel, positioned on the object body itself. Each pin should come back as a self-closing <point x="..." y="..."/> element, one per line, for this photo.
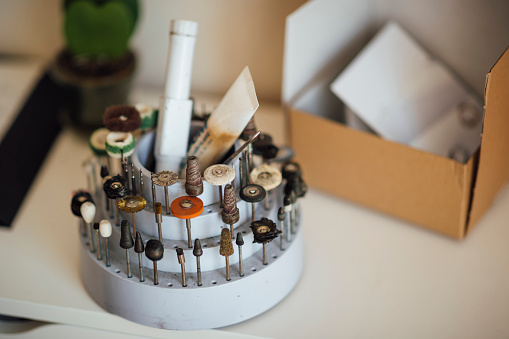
<point x="122" y="118"/>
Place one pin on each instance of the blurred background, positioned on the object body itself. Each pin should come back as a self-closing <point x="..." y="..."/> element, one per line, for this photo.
<point x="232" y="34"/>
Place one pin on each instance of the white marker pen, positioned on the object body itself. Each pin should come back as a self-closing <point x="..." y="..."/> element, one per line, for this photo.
<point x="175" y="107"/>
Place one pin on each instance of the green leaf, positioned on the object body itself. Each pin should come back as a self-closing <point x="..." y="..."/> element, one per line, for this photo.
<point x="93" y="30"/>
<point x="132" y="5"/>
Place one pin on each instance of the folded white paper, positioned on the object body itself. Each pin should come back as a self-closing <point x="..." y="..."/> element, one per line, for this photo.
<point x="226" y="122"/>
<point x="402" y="93"/>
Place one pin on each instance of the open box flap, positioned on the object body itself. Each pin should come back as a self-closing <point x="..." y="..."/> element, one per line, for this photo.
<point x="321" y="37"/>
<point x="493" y="170"/>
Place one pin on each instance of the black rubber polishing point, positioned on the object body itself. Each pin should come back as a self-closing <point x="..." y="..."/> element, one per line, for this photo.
<point x="126" y="239"/>
<point x="154" y="250"/>
<point x="239" y="240"/>
<point x="104" y="171"/>
<point x="197" y="251"/>
<point x="138" y="243"/>
<point x="281" y="214"/>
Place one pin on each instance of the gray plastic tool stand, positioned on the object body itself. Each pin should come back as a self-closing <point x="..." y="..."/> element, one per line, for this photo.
<point x="217" y="302"/>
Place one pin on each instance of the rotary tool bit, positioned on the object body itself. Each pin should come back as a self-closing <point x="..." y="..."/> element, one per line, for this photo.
<point x="105" y="229"/>
<point x="226" y="249"/>
<point x="230" y="212"/>
<point x="126" y="242"/>
<point x="187" y="207"/>
<point x="252" y="193"/>
<point x="87" y="210"/>
<point x="182" y="260"/>
<point x="165" y="179"/>
<point x="139" y="248"/>
<point x="197" y="252"/>
<point x="219" y="175"/>
<point x="281" y="217"/>
<point x="194" y="184"/>
<point x="98" y="244"/>
<point x="154" y="251"/>
<point x="158" y="210"/>
<point x="239" y="241"/>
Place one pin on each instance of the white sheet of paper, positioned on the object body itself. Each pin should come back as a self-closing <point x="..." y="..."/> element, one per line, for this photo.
<point x="452" y="135"/>
<point x="226" y="122"/>
<point x="400" y="91"/>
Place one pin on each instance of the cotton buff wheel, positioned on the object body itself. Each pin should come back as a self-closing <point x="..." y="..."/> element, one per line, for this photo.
<point x="147" y="114"/>
<point x="97" y="142"/>
<point x="219" y="175"/>
<point x="268" y="177"/>
<point x="118" y="142"/>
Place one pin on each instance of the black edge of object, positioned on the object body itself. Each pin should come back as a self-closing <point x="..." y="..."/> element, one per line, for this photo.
<point x="38" y="120"/>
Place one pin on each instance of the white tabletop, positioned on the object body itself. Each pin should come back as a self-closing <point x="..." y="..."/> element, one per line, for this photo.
<point x="366" y="274"/>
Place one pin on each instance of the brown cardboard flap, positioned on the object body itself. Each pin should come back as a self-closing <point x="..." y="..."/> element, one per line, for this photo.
<point x="493" y="170"/>
<point x="414" y="185"/>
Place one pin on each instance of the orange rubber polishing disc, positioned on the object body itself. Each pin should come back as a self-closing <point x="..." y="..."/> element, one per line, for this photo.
<point x="186" y="207"/>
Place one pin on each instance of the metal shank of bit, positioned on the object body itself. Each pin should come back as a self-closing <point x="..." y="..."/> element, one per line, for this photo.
<point x="181" y="259"/>
<point x="105" y="229"/>
<point x="126" y="242"/>
<point x="139" y="248"/>
<point x="133" y="179"/>
<point x="187" y="207"/>
<point x="154" y="251"/>
<point x="240" y="241"/>
<point x="241" y="148"/>
<point x="197" y="252"/>
<point x="98" y="244"/>
<point x="153" y="188"/>
<point x="142" y="184"/>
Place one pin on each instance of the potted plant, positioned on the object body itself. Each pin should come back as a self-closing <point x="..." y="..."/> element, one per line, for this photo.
<point x="96" y="66"/>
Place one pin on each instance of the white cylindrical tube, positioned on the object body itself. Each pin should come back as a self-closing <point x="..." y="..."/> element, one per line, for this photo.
<point x="175" y="107"/>
<point x="180" y="59"/>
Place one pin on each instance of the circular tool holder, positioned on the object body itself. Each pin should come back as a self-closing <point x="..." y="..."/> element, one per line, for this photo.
<point x="217" y="302"/>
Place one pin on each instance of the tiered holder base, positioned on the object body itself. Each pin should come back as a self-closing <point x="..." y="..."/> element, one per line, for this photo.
<point x="217" y="302"/>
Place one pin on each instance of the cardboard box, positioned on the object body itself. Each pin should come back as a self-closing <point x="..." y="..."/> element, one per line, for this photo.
<point x="423" y="188"/>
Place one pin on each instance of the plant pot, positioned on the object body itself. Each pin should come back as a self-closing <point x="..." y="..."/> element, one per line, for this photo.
<point x="89" y="88"/>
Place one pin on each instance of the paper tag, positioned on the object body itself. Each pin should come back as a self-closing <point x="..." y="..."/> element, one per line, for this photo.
<point x="226" y="122"/>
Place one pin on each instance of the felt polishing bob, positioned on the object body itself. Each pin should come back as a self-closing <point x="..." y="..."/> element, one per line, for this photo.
<point x="197" y="227"/>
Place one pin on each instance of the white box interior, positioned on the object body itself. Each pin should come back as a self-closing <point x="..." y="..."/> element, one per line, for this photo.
<point x="405" y="94"/>
<point x="323" y="36"/>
